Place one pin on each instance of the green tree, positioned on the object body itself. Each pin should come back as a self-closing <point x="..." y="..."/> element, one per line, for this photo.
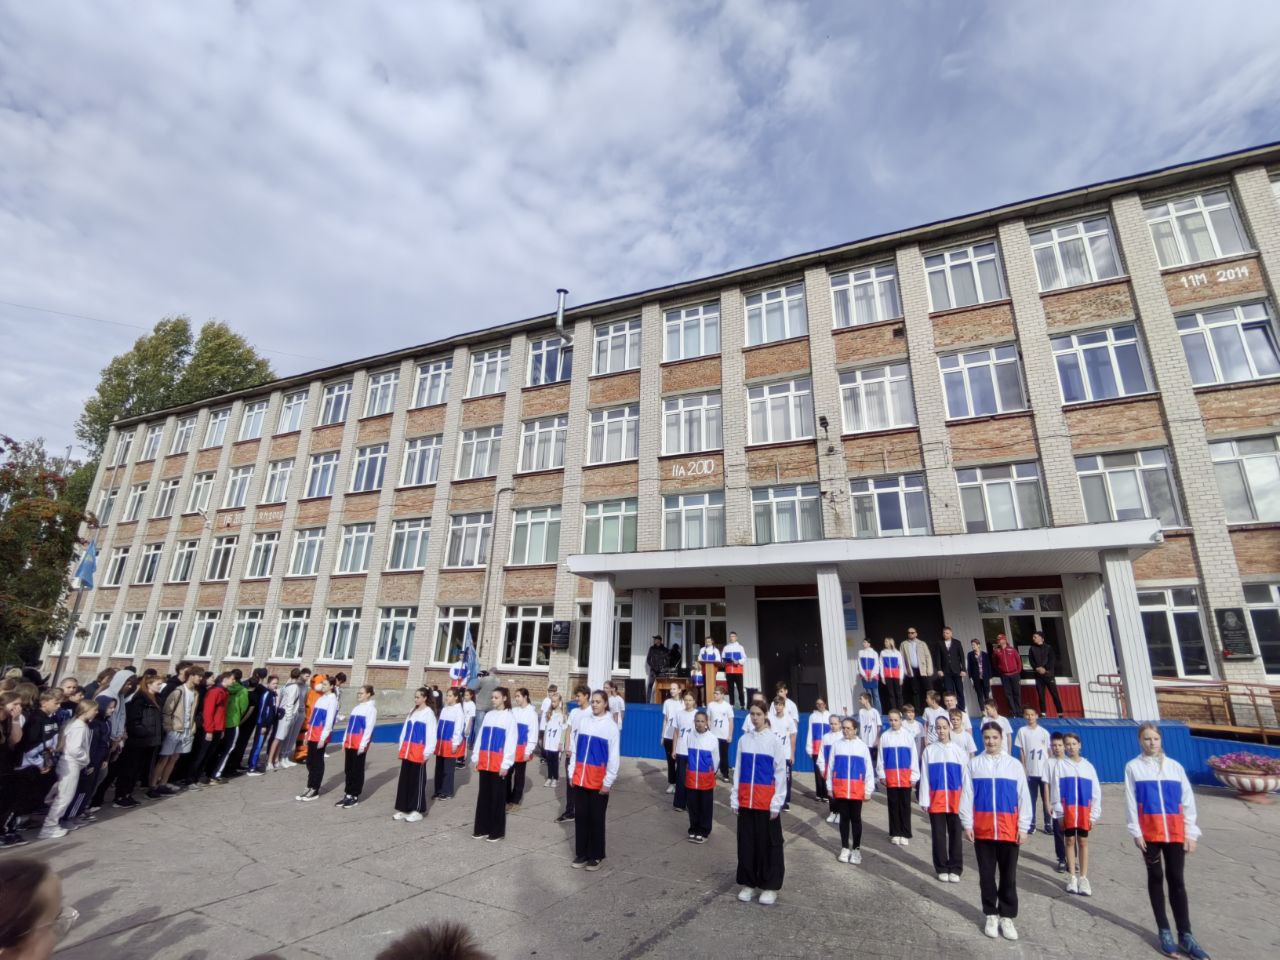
<point x="222" y="361"/>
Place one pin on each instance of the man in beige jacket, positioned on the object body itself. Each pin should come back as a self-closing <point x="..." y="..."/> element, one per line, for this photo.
<point x="917" y="668"/>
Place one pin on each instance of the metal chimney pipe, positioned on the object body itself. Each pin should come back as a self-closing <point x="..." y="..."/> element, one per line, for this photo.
<point x="562" y="293"/>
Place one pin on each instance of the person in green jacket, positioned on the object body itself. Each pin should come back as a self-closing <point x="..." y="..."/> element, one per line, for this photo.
<point x="237" y="704"/>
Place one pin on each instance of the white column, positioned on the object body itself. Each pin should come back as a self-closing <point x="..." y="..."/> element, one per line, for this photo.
<point x="960" y="612"/>
<point x="646" y="621"/>
<point x="1130" y="640"/>
<point x="600" y="657"/>
<point x="834" y="650"/>
<point x="740" y="608"/>
<point x="1091" y="651"/>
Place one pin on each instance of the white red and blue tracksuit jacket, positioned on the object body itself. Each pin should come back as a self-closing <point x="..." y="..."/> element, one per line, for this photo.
<point x="760" y="774"/>
<point x="704" y="755"/>
<point x="450" y="728"/>
<point x="869" y="666"/>
<point x="418" y="736"/>
<point x="735" y="657"/>
<point x="944" y="768"/>
<point x="890" y="665"/>
<point x="360" y="724"/>
<point x="850" y="774"/>
<point x="1160" y="807"/>
<point x="898" y="764"/>
<point x="322" y="716"/>
<point x="819" y="727"/>
<point x="526" y="731"/>
<point x="995" y="802"/>
<point x="458" y="675"/>
<point x="705" y="655"/>
<point x="495" y="749"/>
<point x="1075" y="794"/>
<point x="829" y="740"/>
<point x="594" y="760"/>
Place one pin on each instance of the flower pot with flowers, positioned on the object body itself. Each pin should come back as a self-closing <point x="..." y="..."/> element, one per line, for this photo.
<point x="1251" y="775"/>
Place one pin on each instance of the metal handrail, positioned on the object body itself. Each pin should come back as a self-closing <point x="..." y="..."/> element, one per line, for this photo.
<point x="1212" y="693"/>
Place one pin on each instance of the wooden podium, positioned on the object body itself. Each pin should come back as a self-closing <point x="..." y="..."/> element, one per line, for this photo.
<point x="709" y="673"/>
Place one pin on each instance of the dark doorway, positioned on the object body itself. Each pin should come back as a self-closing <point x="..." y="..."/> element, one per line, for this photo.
<point x="791" y="649"/>
<point x="890" y="617"/>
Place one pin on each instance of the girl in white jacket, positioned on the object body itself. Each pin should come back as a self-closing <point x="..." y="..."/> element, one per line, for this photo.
<point x="355" y="744"/>
<point x="319" y="726"/>
<point x="526" y="717"/>
<point x="1076" y="796"/>
<point x="593" y="767"/>
<point x="834" y="733"/>
<point x="494" y="753"/>
<point x="851" y="781"/>
<point x="759" y="791"/>
<point x="869" y="672"/>
<point x="553" y="726"/>
<point x="819" y="720"/>
<point x="944" y="768"/>
<point x="417" y="742"/>
<point x="451" y="744"/>
<point x="74" y="757"/>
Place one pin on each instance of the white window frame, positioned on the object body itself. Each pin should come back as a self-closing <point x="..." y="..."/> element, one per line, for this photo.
<point x="1263" y="603"/>
<point x="151" y="444"/>
<point x="244" y="636"/>
<point x="252" y="418"/>
<point x="780" y="412"/>
<point x="431" y="383"/>
<point x="130" y="634"/>
<point x="98" y="628"/>
<point x="963" y="369"/>
<point x="1072" y="353"/>
<point x="535" y="536"/>
<point x="907" y="492"/>
<point x="222" y="555"/>
<point x="865" y="295"/>
<point x="797" y="504"/>
<point x="609" y="526"/>
<point x="987" y="481"/>
<point x="133" y="502"/>
<point x="276" y="487"/>
<point x="204" y="633"/>
<point x="262" y="555"/>
<point x="1166" y="218"/>
<point x="380" y="393"/>
<point x="883" y="390"/>
<point x="622" y="622"/>
<point x="201" y="490"/>
<point x="166" y="497"/>
<point x="335" y="403"/>
<point x="479" y="450"/>
<point x="451" y="620"/>
<point x="409" y="541"/>
<point x="106" y="505"/>
<point x="526" y="636"/>
<point x="341" y="633"/>
<point x="308" y="547"/>
<point x="116" y="565"/>
<point x="421" y="465"/>
<point x="615" y="346"/>
<point x="550" y="361"/>
<point x="182" y="433"/>
<point x="148" y="568"/>
<point x="468" y="544"/>
<point x="1132" y="475"/>
<point x="1180" y="606"/>
<point x="124" y="443"/>
<point x="1255" y="472"/>
<point x="692" y="331"/>
<point x="685" y="513"/>
<point x="396" y="627"/>
<point x="763" y="317"/>
<point x="693" y="423"/>
<point x="613" y="434"/>
<point x="292" y="408"/>
<point x="184" y="561"/>
<point x="215" y="431"/>
<point x="322" y="473"/>
<point x="370" y="467"/>
<point x="542" y="443"/>
<point x="1235" y="321"/>
<point x="355" y="549"/>
<point x="489" y="371"/>
<point x="291" y="635"/>
<point x="236" y="494"/>
<point x="1094" y="239"/>
<point x="165" y="635"/>
<point x="942" y="267"/>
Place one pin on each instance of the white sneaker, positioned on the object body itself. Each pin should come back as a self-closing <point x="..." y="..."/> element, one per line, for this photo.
<point x="397" y="815"/>
<point x="992" y="929"/>
<point x="844" y="855"/>
<point x="953" y="877"/>
<point x="904" y="841"/>
<point x="52" y="834"/>
<point x="746" y="894"/>
<point x="944" y="878"/>
<point x="833" y="818"/>
<point x="1085" y="889"/>
<point x="286" y="764"/>
<point x="413" y="817"/>
<point x="855" y="856"/>
<point x="768" y="897"/>
<point x="1073" y="884"/>
<point x="1007" y="929"/>
<point x="254" y="773"/>
<point x="671" y="788"/>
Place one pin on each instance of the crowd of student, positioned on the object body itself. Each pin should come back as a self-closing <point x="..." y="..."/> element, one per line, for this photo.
<point x="62" y="748"/>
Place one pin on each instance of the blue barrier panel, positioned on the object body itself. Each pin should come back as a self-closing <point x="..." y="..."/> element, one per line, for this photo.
<point x="1202" y="748"/>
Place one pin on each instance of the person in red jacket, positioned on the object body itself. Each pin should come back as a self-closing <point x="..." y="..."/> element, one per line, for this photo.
<point x="1007" y="662"/>
<point x="214" y="715"/>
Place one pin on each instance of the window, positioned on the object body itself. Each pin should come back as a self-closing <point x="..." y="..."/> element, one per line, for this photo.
<point x="382" y="393"/>
<point x="469" y="539"/>
<point x="291" y="634"/>
<point x="333" y="408"/>
<point x="127" y="642"/>
<point x="1202" y="227"/>
<point x="124" y="443"/>
<point x="203" y="633"/>
<point x="1248" y="477"/>
<point x="201" y="488"/>
<point x="151" y="445"/>
<point x="262" y="555"/>
<point x="1005" y="497"/>
<point x="890" y="506"/>
<point x="148" y="564"/>
<point x="622" y="622"/>
<point x="550" y="361"/>
<point x="291" y="412"/>
<point x="409" y="544"/>
<point x="215" y="430"/>
<point x="489" y="371"/>
<point x="395" y="634"/>
<point x="357" y="545"/>
<point x="526" y="636"/>
<point x="610" y="527"/>
<point x="133" y="503"/>
<point x="615" y="434"/>
<point x="1074" y="253"/>
<point x="432" y="384"/>
<point x="866" y="296"/>
<point x="786" y="514"/>
<point x="184" y="561"/>
<point x="1174" y="632"/>
<point x="251" y="420"/>
<point x="535" y="536"/>
<point x="781" y="411"/>
<point x="245" y="637"/>
<point x="220" y="558"/>
<point x="542" y="443"/>
<point x="452" y="626"/>
<point x="1100" y="364"/>
<point x="1128" y="486"/>
<point x="776" y="314"/>
<point x="166" y="633"/>
<point x="237" y="487"/>
<point x="964" y="276"/>
<point x="371" y="462"/>
<point x="97" y="633"/>
<point x="276" y="489"/>
<point x="692" y="424"/>
<point x="691" y="332"/>
<point x="617" y="346"/>
<point x="324" y="467"/>
<point x="165" y="497"/>
<point x="478" y="452"/>
<point x="1018" y="616"/>
<point x="106" y="504"/>
<point x="182" y="432"/>
<point x="115" y="567"/>
<point x="982" y="382"/>
<point x="307" y="545"/>
<point x="421" y="461"/>
<point x="1229" y="344"/>
<point x="877" y="398"/>
<point x="1264" y="610"/>
<point x="693" y="520"/>
<point x="341" y="629"/>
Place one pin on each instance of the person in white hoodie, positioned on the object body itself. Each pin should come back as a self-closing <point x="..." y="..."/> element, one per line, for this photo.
<point x="1160" y="811"/>
<point x="944" y="768"/>
<point x="995" y="811"/>
<point x="319" y="726"/>
<point x="355" y="744"/>
<point x="759" y="790"/>
<point x="833" y="734"/>
<point x="851" y="780"/>
<point x="898" y="768"/>
<point x="493" y="756"/>
<point x="526" y="717"/>
<point x="1076" y="795"/>
<point x="819" y="721"/>
<point x="593" y="768"/>
<point x="451" y="744"/>
<point x="73" y="758"/>
<point x="869" y="672"/>
<point x="417" y="742"/>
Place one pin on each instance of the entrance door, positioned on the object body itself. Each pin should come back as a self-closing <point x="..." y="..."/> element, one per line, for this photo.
<point x="890" y="617"/>
<point x="791" y="649"/>
<point x="688" y="624"/>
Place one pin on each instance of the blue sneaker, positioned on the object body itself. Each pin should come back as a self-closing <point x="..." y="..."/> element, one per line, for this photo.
<point x="1191" y="948"/>
<point x="1168" y="945"/>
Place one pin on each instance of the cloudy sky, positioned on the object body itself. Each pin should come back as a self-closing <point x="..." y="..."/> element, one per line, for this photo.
<point x="338" y="179"/>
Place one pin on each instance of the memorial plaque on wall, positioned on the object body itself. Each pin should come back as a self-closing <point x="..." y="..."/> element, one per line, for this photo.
<point x="560" y="634"/>
<point x="1233" y="631"/>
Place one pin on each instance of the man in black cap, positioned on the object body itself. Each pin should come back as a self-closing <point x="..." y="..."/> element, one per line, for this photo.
<point x="655" y="662"/>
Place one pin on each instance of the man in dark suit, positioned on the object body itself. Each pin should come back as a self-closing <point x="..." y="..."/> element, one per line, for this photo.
<point x="980" y="670"/>
<point x="950" y="666"/>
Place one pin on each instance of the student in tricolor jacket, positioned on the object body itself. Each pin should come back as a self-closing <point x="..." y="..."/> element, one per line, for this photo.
<point x="451" y="744"/>
<point x="494" y="753"/>
<point x="819" y="722"/>
<point x="417" y="742"/>
<point x="526" y="717"/>
<point x="582" y="709"/>
<point x="700" y="777"/>
<point x="319" y="726"/>
<point x="869" y="671"/>
<point x="869" y="723"/>
<point x="850" y="780"/>
<point x="1032" y="742"/>
<point x="890" y="676"/>
<point x="709" y="653"/>
<point x="944" y="770"/>
<point x="1057" y="753"/>
<point x="458" y="674"/>
<point x="995" y="811"/>
<point x="898" y="768"/>
<point x="785" y="728"/>
<point x="355" y="744"/>
<point x="735" y="659"/>
<point x="1160" y="810"/>
<point x="593" y="767"/>
<point x="830" y="737"/>
<point x="720" y="715"/>
<point x="554" y="723"/>
<point x="680" y="747"/>
<point x="759" y="790"/>
<point x="1076" y="795"/>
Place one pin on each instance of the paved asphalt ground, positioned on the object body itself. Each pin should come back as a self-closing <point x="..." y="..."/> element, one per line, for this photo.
<point x="244" y="870"/>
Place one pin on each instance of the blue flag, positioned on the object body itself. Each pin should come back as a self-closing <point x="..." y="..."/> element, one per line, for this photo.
<point x="470" y="661"/>
<point x="88" y="564"/>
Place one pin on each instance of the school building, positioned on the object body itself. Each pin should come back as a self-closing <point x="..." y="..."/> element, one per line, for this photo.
<point x="1060" y="415"/>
